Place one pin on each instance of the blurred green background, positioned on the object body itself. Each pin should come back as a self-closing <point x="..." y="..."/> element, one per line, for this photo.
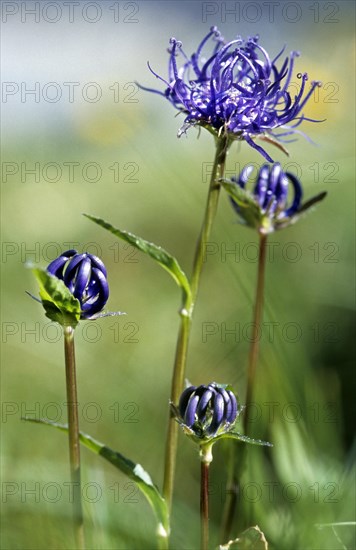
<point x="100" y="145"/>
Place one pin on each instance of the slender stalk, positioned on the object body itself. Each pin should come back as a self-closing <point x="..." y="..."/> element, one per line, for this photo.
<point x="236" y="463"/>
<point x="73" y="432"/>
<point x="187" y="314"/>
<point x="204" y="505"/>
<point x="162" y="542"/>
<point x="257" y="319"/>
<point x="210" y="212"/>
<point x="206" y="457"/>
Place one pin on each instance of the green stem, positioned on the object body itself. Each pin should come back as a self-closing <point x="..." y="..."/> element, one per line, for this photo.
<point x="236" y="462"/>
<point x="257" y="319"/>
<point x="73" y="432"/>
<point x="162" y="543"/>
<point x="187" y="314"/>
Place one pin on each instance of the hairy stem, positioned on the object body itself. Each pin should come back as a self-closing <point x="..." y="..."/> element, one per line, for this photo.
<point x="187" y="314"/>
<point x="73" y="432"/>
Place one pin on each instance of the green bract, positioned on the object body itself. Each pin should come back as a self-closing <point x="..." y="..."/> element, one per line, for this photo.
<point x="59" y="303"/>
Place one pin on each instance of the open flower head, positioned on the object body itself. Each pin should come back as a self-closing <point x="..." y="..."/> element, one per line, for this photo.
<point x="236" y="88"/>
<point x="274" y="203"/>
<point x="86" y="277"/>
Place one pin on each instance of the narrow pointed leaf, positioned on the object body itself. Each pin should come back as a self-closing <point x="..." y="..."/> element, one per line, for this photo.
<point x="161" y="256"/>
<point x="134" y="471"/>
<point x="105" y="314"/>
<point x="33" y="297"/>
<point x="59" y="303"/>
<point x="243" y="439"/>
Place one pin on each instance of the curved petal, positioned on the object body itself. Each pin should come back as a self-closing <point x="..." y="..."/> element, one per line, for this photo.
<point x="218" y="414"/>
<point x="184" y="398"/>
<point x="100" y="294"/>
<point x="262" y="184"/>
<point x="56" y="267"/>
<point x="82" y="279"/>
<point x="227" y="402"/>
<point x="203" y="404"/>
<point x="189" y="416"/>
<point x="231" y="417"/>
<point x="298" y="194"/>
<point x="98" y="263"/>
<point x="72" y="268"/>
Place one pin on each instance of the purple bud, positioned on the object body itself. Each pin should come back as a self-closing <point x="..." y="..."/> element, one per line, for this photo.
<point x="85" y="277"/>
<point x="271" y="193"/>
<point x="207" y="409"/>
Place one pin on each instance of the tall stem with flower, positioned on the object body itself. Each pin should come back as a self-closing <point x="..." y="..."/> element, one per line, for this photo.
<point x="73" y="287"/>
<point x="207" y="414"/>
<point x="186" y="316"/>
<point x="267" y="209"/>
<point x="236" y="93"/>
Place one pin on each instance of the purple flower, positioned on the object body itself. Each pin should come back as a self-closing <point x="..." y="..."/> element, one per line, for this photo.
<point x="236" y="89"/>
<point x="276" y="201"/>
<point x="207" y="410"/>
<point x="86" y="277"/>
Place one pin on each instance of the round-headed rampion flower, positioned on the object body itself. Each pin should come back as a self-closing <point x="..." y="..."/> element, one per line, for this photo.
<point x="207" y="411"/>
<point x="269" y="207"/>
<point x="236" y="89"/>
<point x="86" y="277"/>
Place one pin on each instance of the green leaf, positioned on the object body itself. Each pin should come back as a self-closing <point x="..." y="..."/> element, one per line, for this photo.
<point x="251" y="539"/>
<point x="250" y="210"/>
<point x="59" y="303"/>
<point x="134" y="471"/>
<point x="168" y="262"/>
<point x="242" y="438"/>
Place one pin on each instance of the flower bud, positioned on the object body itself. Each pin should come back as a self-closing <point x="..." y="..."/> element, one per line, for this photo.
<point x="86" y="277"/>
<point x="207" y="410"/>
<point x="276" y="200"/>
